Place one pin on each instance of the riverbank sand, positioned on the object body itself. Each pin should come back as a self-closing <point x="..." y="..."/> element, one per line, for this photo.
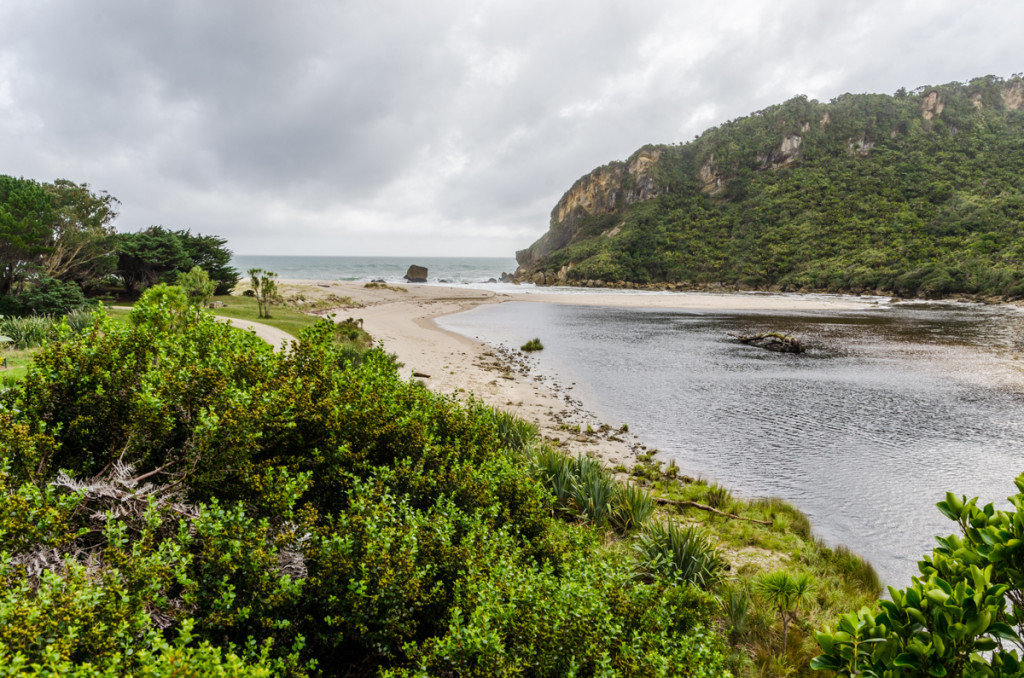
<point x="402" y="317"/>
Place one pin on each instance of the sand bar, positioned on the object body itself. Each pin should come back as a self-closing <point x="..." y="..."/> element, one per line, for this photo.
<point x="402" y="317"/>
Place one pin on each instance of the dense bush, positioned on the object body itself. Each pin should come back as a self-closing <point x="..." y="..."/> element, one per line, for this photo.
<point x="47" y="296"/>
<point x="176" y="496"/>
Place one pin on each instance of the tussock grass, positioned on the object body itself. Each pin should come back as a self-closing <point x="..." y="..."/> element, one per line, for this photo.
<point x="682" y="554"/>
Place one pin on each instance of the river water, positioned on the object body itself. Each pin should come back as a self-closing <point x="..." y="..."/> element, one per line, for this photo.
<point x="889" y="407"/>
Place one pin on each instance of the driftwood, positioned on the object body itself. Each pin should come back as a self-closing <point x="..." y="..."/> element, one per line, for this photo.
<point x="773" y="341"/>
<point x="705" y="507"/>
<point x="420" y="375"/>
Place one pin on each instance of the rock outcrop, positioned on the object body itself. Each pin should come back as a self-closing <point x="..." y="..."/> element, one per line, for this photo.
<point x="606" y="189"/>
<point x="416" y="274"/>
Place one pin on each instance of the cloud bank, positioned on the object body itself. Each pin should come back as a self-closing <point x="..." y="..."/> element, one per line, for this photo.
<point x="431" y="128"/>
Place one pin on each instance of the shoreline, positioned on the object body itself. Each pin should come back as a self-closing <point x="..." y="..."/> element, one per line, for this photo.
<point x="405" y="322"/>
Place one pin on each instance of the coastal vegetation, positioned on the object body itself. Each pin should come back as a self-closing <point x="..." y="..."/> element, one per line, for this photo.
<point x="962" y="616"/>
<point x="264" y="290"/>
<point x="916" y="194"/>
<point x="177" y="494"/>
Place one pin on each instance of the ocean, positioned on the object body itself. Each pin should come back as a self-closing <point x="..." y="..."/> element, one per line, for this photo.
<point x="440" y="270"/>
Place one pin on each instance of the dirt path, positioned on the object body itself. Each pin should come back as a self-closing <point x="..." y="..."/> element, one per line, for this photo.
<point x="273" y="336"/>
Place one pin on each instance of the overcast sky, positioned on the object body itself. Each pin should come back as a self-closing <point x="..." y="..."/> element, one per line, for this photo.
<point x="429" y="127"/>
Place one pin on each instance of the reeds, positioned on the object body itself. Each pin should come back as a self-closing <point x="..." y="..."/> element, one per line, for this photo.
<point x="32" y="330"/>
<point x="27" y="331"/>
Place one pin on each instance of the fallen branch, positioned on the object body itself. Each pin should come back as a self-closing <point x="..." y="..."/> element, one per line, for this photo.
<point x="705" y="507"/>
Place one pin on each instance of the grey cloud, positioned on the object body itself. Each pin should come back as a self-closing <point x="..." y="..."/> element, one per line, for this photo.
<point x="338" y="120"/>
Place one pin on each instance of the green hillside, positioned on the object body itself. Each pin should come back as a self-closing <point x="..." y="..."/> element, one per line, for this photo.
<point x="919" y="194"/>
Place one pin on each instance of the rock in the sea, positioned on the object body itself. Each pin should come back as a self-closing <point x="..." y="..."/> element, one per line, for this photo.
<point x="416" y="274"/>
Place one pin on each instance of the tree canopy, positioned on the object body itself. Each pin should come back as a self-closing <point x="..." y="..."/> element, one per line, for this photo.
<point x="57" y="234"/>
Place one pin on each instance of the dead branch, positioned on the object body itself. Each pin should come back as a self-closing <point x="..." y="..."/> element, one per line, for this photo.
<point x="705" y="507"/>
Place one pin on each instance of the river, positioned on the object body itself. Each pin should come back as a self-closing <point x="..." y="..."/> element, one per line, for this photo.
<point x="888" y="408"/>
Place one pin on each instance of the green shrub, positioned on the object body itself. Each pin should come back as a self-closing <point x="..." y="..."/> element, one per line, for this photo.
<point x="290" y="514"/>
<point x="48" y="296"/>
<point x="532" y="345"/>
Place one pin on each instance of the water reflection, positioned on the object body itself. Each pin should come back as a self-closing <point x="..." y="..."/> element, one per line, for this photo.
<point x="887" y="410"/>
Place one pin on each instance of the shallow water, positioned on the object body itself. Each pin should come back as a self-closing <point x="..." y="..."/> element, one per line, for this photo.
<point x="889" y="407"/>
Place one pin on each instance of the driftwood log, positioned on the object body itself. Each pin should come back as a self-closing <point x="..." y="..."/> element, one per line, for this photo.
<point x="705" y="507"/>
<point x="773" y="341"/>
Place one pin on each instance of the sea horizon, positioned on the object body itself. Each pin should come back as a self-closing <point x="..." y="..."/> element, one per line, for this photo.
<point x="440" y="270"/>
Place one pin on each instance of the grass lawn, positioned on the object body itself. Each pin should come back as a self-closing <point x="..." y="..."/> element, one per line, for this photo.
<point x="244" y="308"/>
<point x="282" y="317"/>
<point x="17" y="363"/>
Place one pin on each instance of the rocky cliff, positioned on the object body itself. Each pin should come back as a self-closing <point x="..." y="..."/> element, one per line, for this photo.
<point x="866" y="192"/>
<point x="607" y="189"/>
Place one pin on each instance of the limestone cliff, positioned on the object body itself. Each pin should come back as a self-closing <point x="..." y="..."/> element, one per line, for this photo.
<point x="607" y="189"/>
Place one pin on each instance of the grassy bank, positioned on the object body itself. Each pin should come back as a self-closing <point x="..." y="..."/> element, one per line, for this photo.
<point x="734" y="548"/>
<point x="757" y="537"/>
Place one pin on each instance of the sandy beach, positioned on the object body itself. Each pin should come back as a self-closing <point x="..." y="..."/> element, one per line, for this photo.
<point x="402" y="317"/>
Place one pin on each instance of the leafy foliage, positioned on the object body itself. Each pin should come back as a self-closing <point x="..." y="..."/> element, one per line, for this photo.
<point x="209" y="253"/>
<point x="962" y="616"/>
<point x="25" y="212"/>
<point x="176" y="496"/>
<point x="145" y="257"/>
<point x="47" y="296"/>
<point x="197" y="286"/>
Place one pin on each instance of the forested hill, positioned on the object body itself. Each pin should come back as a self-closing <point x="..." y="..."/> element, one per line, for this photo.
<point x="919" y="193"/>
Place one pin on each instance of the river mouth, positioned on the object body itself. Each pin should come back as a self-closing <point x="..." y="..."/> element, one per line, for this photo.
<point x="887" y="409"/>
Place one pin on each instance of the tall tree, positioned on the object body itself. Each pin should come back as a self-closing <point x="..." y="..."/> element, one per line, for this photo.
<point x="82" y="246"/>
<point x="208" y="253"/>
<point x="144" y="257"/>
<point x="25" y="217"/>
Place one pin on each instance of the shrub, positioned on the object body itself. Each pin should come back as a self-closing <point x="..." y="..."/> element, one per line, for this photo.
<point x="174" y="478"/>
<point x="532" y="345"/>
<point x="49" y="296"/>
